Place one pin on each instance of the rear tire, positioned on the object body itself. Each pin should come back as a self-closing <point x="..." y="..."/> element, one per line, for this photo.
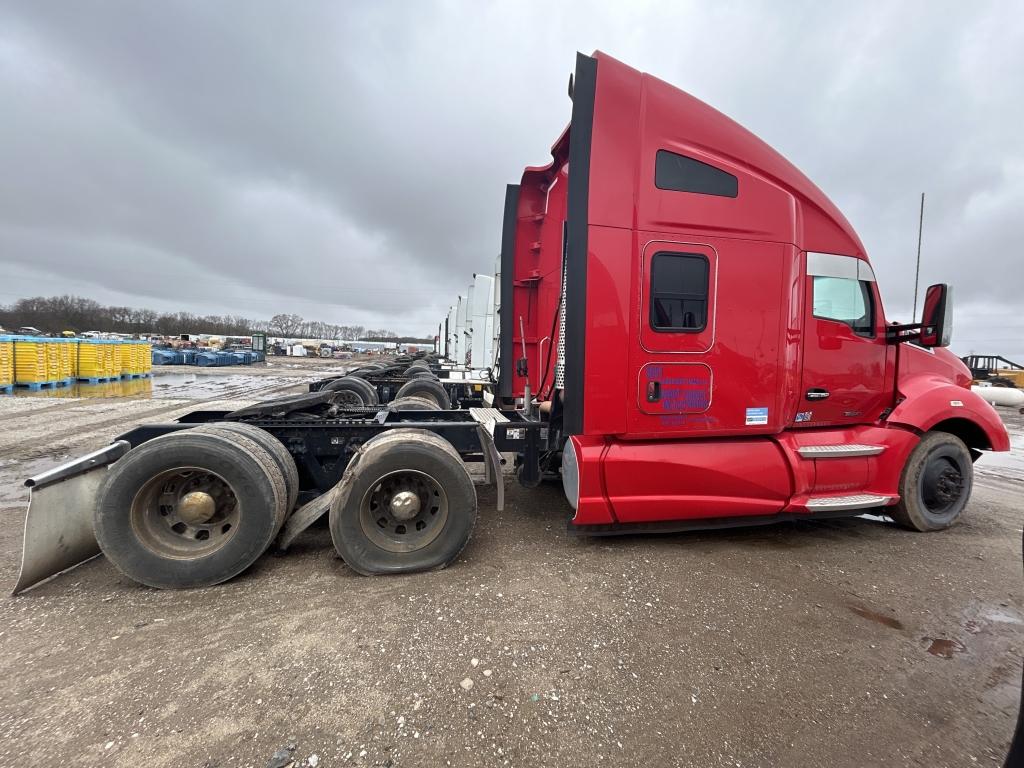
<point x="428" y="388"/>
<point x="407" y="503"/>
<point x="188" y="509"/>
<point x="935" y="485"/>
<point x="413" y="403"/>
<point x="353" y="391"/>
<point x="277" y="451"/>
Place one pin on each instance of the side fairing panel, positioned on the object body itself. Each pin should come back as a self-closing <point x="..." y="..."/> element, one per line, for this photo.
<point x="651" y="481"/>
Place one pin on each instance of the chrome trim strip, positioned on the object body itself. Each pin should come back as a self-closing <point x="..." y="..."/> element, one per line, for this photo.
<point x="838" y="451"/>
<point x="857" y="501"/>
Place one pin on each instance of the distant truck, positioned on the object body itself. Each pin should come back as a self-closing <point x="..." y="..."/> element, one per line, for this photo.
<point x="691" y="336"/>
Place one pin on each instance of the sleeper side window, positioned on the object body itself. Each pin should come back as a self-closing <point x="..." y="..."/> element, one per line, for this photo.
<point x="684" y="174"/>
<point x="845" y="300"/>
<point x="679" y="292"/>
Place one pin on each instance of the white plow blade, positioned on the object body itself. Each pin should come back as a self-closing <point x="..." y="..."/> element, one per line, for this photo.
<point x="58" y="526"/>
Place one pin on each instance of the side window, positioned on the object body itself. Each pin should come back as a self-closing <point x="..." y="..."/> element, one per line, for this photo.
<point x="845" y="300"/>
<point x="684" y="174"/>
<point x="679" y="292"/>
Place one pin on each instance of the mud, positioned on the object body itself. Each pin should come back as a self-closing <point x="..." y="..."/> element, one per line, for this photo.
<point x="839" y="643"/>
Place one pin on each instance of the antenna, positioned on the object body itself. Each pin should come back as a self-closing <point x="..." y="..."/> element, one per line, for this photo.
<point x="917" y="270"/>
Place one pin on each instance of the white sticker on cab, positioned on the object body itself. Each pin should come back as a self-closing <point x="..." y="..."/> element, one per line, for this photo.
<point x="757" y="416"/>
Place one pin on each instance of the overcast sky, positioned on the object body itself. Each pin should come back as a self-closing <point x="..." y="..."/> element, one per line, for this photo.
<point x="347" y="161"/>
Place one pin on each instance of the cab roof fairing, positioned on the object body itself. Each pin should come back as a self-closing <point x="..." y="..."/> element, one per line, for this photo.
<point x="654" y="111"/>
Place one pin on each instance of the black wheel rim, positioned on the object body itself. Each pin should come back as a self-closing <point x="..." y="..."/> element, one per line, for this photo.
<point x="348" y="397"/>
<point x="404" y="511"/>
<point x="942" y="485"/>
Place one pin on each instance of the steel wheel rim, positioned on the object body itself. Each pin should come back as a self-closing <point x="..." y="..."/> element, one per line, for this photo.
<point x="389" y="526"/>
<point x="942" y="485"/>
<point x="184" y="513"/>
<point x="347" y="397"/>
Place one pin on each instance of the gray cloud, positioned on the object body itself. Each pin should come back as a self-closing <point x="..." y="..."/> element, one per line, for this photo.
<point x="347" y="161"/>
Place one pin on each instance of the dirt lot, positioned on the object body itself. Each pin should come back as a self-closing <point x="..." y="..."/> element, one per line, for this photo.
<point x="845" y="643"/>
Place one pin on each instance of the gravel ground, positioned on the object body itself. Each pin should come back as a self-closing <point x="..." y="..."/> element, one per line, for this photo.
<point x="842" y="643"/>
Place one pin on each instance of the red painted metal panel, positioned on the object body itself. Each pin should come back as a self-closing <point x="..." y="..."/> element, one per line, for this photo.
<point x="849" y="367"/>
<point x="741" y="345"/>
<point x="608" y="377"/>
<point x="690" y="479"/>
<point x="593" y="507"/>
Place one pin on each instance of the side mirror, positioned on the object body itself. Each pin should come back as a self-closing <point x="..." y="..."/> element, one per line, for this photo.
<point x="937" y="316"/>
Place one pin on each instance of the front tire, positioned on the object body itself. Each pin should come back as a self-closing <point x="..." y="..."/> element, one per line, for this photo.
<point x="935" y="485"/>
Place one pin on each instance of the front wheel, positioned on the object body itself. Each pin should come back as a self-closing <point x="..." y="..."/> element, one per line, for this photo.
<point x="935" y="485"/>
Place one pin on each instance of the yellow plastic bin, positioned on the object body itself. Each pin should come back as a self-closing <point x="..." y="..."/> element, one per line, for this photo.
<point x="6" y="364"/>
<point x="93" y="357"/>
<point x="67" y="359"/>
<point x="51" y="348"/>
<point x="71" y="359"/>
<point x="112" y="358"/>
<point x="145" y="358"/>
<point x="30" y="363"/>
<point x="126" y="364"/>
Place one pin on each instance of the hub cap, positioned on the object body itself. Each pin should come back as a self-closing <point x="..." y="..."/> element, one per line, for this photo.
<point x="185" y="513"/>
<point x="942" y="484"/>
<point x="404" y="511"/>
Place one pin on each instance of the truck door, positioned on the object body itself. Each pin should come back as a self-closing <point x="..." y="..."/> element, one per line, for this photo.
<point x="843" y="379"/>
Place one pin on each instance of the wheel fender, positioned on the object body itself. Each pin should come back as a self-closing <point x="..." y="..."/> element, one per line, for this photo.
<point x="930" y="400"/>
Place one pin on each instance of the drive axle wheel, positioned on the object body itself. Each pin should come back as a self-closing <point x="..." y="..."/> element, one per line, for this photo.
<point x="404" y="512"/>
<point x="430" y="389"/>
<point x="406" y="503"/>
<point x="189" y="509"/>
<point x="352" y="390"/>
<point x="414" y="403"/>
<point x="282" y="459"/>
<point x="936" y="484"/>
<point x="185" y="512"/>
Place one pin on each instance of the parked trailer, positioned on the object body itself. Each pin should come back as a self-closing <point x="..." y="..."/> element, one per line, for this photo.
<point x="707" y="348"/>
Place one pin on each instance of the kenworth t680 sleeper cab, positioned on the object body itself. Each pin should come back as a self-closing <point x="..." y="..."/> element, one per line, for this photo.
<point x="691" y="335"/>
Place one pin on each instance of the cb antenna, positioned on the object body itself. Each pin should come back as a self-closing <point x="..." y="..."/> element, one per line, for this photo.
<point x="917" y="270"/>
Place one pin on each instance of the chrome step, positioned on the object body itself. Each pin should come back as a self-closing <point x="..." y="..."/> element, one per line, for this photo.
<point x="856" y="501"/>
<point x="487" y="417"/>
<point x="839" y="451"/>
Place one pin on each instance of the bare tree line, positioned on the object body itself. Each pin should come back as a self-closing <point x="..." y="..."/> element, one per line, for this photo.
<point x="55" y="314"/>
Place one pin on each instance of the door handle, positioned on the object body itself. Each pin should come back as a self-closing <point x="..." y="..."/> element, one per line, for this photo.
<point x="653" y="391"/>
<point x="817" y="393"/>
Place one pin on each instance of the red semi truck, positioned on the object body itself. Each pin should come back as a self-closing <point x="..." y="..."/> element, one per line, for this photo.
<point x="725" y="356"/>
<point x="703" y="333"/>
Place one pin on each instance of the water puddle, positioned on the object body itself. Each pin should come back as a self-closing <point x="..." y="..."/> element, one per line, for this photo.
<point x="165" y="386"/>
<point x="81" y="389"/>
<point x="944" y="648"/>
<point x="1007" y="465"/>
<point x="881" y="618"/>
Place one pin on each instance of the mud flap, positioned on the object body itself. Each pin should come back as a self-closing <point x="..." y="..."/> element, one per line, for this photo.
<point x="304" y="517"/>
<point x="58" y="526"/>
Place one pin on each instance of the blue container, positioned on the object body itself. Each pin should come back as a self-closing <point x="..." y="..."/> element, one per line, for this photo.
<point x="206" y="359"/>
